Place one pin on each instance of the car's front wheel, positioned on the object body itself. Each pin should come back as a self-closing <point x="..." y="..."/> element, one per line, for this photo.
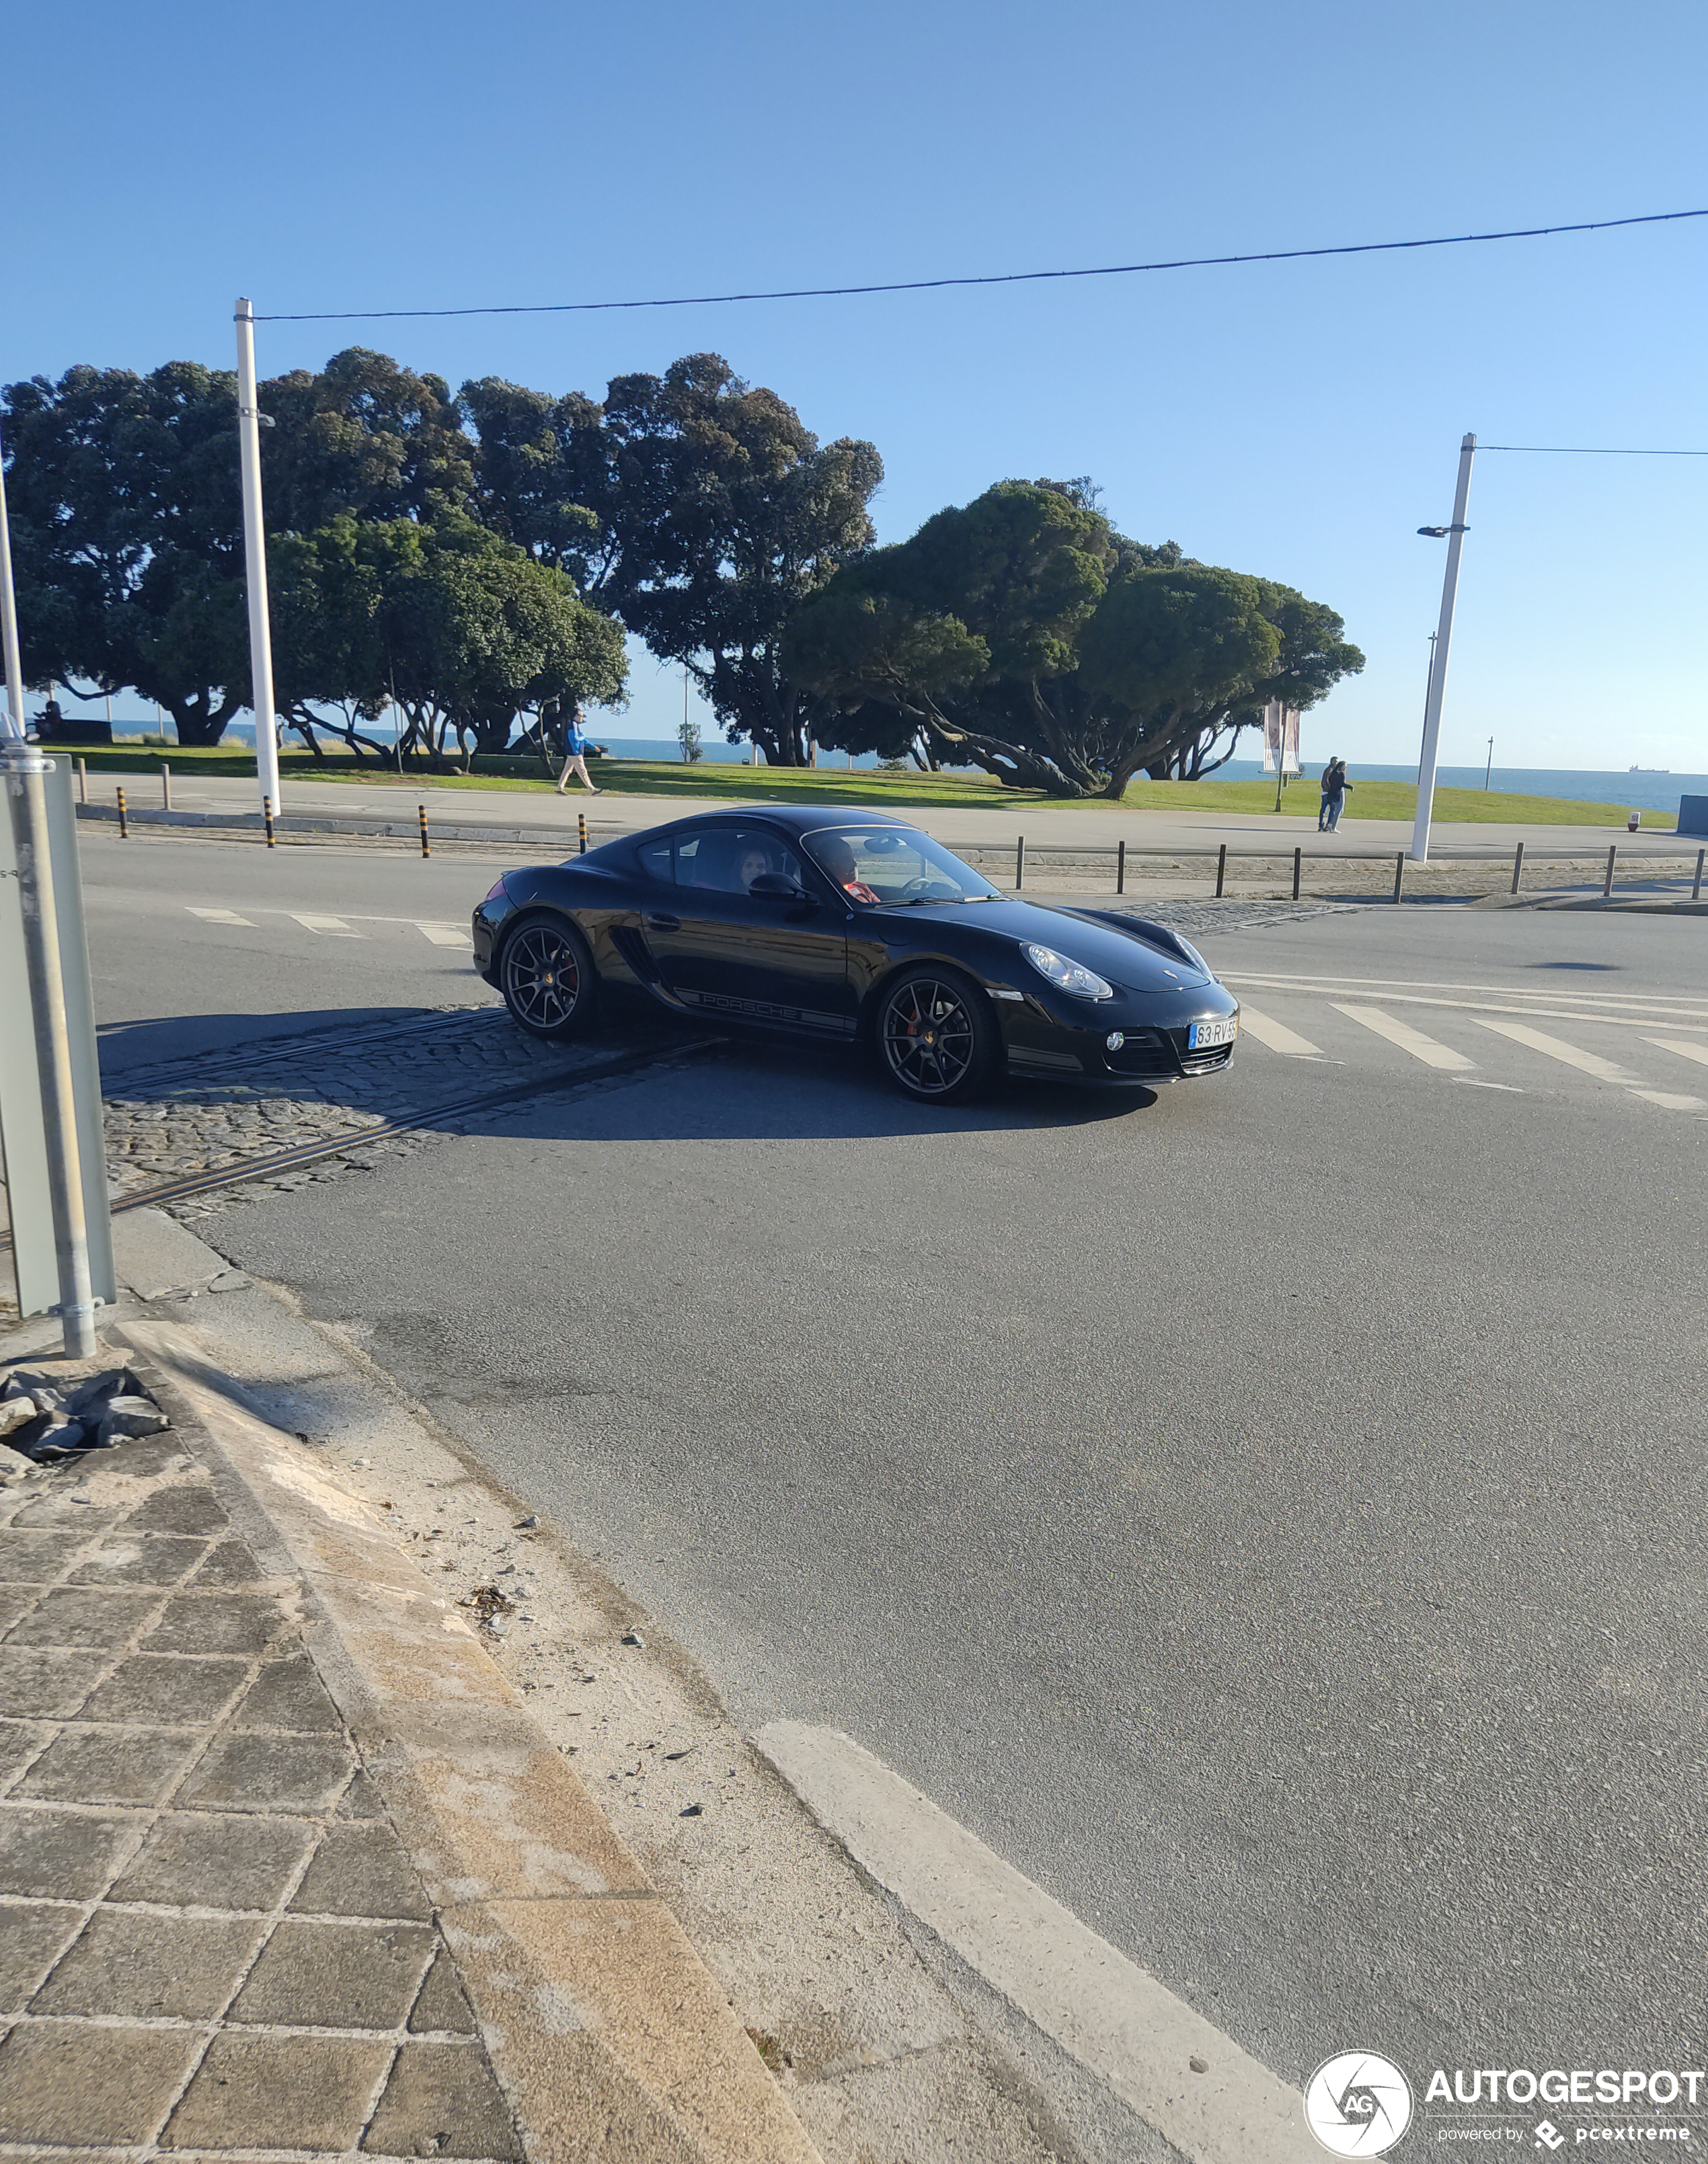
<point x="935" y="1037"/>
<point x="546" y="975"/>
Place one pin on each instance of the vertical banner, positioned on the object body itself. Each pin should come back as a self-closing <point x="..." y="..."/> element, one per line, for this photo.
<point x="1280" y="738"/>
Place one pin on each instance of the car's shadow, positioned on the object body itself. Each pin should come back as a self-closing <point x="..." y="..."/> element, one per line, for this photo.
<point x="761" y="1092"/>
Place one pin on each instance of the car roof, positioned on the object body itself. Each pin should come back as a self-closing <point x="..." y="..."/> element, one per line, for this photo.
<point x="793" y="818"/>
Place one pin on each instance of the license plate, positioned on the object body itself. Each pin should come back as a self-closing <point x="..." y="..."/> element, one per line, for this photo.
<point x="1203" y="1034"/>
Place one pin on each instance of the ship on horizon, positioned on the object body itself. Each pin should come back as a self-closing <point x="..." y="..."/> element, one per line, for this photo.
<point x="1648" y="770"/>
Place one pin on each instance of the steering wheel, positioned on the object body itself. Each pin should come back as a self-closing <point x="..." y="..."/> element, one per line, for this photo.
<point x="919" y="888"/>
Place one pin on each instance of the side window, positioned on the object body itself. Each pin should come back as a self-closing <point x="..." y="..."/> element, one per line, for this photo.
<point x="728" y="859"/>
<point x="655" y="861"/>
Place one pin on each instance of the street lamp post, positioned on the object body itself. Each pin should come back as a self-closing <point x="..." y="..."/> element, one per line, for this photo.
<point x="254" y="558"/>
<point x="1455" y="535"/>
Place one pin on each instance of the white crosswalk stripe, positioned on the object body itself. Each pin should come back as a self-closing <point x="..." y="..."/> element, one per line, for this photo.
<point x="1276" y="1035"/>
<point x="1556" y="1047"/>
<point x="1431" y="1052"/>
<point x="1685" y="1048"/>
<point x="444" y="935"/>
<point x="334" y="927"/>
<point x="221" y="916"/>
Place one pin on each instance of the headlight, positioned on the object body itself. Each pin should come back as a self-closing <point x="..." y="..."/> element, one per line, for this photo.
<point x="1069" y="976"/>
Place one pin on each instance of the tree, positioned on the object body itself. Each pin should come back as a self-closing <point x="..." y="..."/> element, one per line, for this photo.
<point x="726" y="513"/>
<point x="543" y="476"/>
<point x="127" y="537"/>
<point x="1022" y="633"/>
<point x="459" y="630"/>
<point x="365" y="436"/>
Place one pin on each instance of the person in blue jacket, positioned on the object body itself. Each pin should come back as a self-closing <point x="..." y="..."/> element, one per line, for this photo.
<point x="576" y="747"/>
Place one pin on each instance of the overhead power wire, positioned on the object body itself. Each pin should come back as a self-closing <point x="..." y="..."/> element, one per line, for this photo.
<point x="997" y="278"/>
<point x="1594" y="451"/>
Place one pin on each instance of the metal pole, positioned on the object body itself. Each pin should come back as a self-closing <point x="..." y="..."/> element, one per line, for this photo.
<point x="166" y="786"/>
<point x="1120" y="868"/>
<point x="1517" y="866"/>
<point x="82" y="781"/>
<point x="1489" y="767"/>
<point x="123" y="823"/>
<point x="581" y="834"/>
<point x="1437" y="673"/>
<point x="24" y="770"/>
<point x="421" y="820"/>
<point x="1607" y="883"/>
<point x="13" y="724"/>
<point x="266" y="815"/>
<point x="1696" y="891"/>
<point x="1221" y="868"/>
<point x="1298" y="865"/>
<point x="1399" y="873"/>
<point x="254" y="558"/>
<point x="1020" y="864"/>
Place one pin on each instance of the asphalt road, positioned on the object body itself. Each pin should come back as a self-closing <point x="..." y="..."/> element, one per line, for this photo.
<point x="1269" y="1514"/>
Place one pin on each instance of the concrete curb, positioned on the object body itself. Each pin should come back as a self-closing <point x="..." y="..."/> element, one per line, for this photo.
<point x="610" y="2036"/>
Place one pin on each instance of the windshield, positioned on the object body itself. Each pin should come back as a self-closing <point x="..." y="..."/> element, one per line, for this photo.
<point x="881" y="867"/>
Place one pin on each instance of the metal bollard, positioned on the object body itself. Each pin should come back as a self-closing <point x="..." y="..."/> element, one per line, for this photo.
<point x="1517" y="866"/>
<point x="1298" y="866"/>
<point x="1696" y="891"/>
<point x="82" y="781"/>
<point x="581" y="829"/>
<point x="123" y="823"/>
<point x="1221" y="868"/>
<point x="166" y="786"/>
<point x="1120" y="868"/>
<point x="267" y="818"/>
<point x="1399" y="873"/>
<point x="1607" y="883"/>
<point x="421" y="821"/>
<point x="1019" y="863"/>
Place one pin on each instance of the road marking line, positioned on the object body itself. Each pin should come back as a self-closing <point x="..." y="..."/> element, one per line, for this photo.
<point x="1555" y="1048"/>
<point x="1650" y="1021"/>
<point x="1377" y="985"/>
<point x="1670" y="1102"/>
<point x="1104" y="2010"/>
<point x="334" y="927"/>
<point x="1276" y="1035"/>
<point x="1408" y="1039"/>
<point x="1511" y="1089"/>
<point x="219" y="916"/>
<point x="1696" y="1052"/>
<point x="444" y="935"/>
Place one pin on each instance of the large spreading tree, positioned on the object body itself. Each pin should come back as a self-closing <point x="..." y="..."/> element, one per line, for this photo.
<point x="1022" y="633"/>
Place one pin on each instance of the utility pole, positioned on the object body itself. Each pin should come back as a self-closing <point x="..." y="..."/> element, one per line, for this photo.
<point x="254" y="558"/>
<point x="1489" y="769"/>
<point x="9" y="629"/>
<point x="1455" y="535"/>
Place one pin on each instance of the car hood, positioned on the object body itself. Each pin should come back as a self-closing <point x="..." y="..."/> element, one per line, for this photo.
<point x="1125" y="959"/>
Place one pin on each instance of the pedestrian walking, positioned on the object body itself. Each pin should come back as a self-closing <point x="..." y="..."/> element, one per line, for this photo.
<point x="1338" y="786"/>
<point x="1322" y="808"/>
<point x="575" y="759"/>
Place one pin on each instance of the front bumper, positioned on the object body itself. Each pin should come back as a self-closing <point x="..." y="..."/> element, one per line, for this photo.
<point x="1046" y="1045"/>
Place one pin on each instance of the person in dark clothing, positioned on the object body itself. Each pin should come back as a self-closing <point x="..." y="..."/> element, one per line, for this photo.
<point x="1322" y="808"/>
<point x="1338" y="786"/>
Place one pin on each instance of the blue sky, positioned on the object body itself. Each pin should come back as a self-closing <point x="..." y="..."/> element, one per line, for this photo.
<point x="1300" y="420"/>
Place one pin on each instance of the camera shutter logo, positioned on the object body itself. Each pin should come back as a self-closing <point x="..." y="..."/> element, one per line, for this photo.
<point x="1357" y="2104"/>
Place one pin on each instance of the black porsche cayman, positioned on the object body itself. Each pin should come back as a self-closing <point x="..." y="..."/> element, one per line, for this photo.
<point x="853" y="927"/>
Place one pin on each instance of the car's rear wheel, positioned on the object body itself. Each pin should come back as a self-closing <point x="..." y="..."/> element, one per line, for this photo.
<point x="934" y="1036"/>
<point x="545" y="973"/>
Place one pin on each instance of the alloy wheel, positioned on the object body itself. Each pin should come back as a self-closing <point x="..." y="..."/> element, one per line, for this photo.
<point x="542" y="978"/>
<point x="929" y="1038"/>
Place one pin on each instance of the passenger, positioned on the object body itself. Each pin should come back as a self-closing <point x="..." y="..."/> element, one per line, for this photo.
<point x="837" y="859"/>
<point x="753" y="863"/>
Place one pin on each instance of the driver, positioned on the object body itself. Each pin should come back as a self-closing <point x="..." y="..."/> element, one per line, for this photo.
<point x="837" y="859"/>
<point x="753" y="863"/>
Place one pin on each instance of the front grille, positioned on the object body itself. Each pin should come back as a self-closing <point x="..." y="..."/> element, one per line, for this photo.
<point x="1207" y="1061"/>
<point x="1144" y="1052"/>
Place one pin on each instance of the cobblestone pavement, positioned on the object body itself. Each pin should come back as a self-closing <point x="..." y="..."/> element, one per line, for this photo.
<point x="199" y="1115"/>
<point x="211" y="1938"/>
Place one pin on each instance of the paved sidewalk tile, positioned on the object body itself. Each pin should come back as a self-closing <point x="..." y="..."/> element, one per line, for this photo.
<point x="211" y="1938"/>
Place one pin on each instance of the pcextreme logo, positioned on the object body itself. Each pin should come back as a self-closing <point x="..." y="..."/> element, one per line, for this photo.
<point x="1357" y="2104"/>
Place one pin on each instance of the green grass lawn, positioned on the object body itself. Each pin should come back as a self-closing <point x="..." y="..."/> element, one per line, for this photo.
<point x="627" y="777"/>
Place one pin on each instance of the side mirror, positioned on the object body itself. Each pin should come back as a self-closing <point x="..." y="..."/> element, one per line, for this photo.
<point x="784" y="889"/>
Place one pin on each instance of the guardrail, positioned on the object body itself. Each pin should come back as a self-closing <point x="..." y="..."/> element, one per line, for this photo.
<point x="989" y="855"/>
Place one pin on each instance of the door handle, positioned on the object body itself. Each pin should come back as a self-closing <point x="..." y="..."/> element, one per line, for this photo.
<point x="664" y="923"/>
